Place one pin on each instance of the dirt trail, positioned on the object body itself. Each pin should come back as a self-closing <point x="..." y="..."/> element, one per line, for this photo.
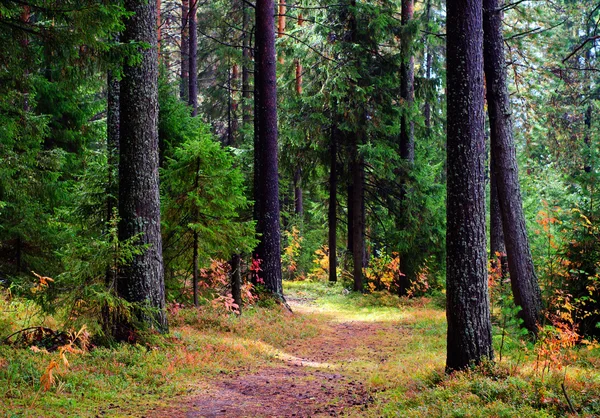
<point x="316" y="377"/>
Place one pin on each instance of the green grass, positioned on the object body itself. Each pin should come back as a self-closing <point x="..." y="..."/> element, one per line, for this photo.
<point x="399" y="358"/>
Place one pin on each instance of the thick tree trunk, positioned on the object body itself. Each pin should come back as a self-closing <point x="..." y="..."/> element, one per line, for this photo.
<point x="467" y="311"/>
<point x="142" y="281"/>
<point x="407" y="87"/>
<point x="524" y="283"/>
<point x="269" y="247"/>
<point x="332" y="215"/>
<point x="193" y="57"/>
<point x="185" y="51"/>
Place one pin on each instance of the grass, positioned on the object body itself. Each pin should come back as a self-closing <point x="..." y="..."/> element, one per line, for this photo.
<point x="396" y="350"/>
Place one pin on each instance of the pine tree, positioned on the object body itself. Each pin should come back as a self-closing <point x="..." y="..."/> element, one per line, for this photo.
<point x="468" y="314"/>
<point x="142" y="281"/>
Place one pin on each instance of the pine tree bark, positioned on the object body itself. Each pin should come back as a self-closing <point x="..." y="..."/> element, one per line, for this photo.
<point x="407" y="87"/>
<point x="142" y="281"/>
<point x="193" y="58"/>
<point x="269" y="247"/>
<point x="185" y="51"/>
<point x="524" y="283"/>
<point x="469" y="327"/>
<point x="332" y="215"/>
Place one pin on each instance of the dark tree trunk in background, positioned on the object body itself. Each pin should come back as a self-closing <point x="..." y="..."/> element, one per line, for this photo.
<point x="496" y="233"/>
<point x="358" y="218"/>
<point x="350" y="212"/>
<point x="298" y="202"/>
<point x="246" y="61"/>
<point x="141" y="281"/>
<point x="428" y="65"/>
<point x="269" y="246"/>
<point x="524" y="283"/>
<point x="588" y="143"/>
<point x="236" y="281"/>
<point x="467" y="311"/>
<point x="407" y="87"/>
<point x="112" y="151"/>
<point x="193" y="58"/>
<point x="332" y="215"/>
<point x="112" y="142"/>
<point x="185" y="51"/>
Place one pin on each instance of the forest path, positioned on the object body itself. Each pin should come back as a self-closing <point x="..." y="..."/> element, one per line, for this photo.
<point x="336" y="372"/>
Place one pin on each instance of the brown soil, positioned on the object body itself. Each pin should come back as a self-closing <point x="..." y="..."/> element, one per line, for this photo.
<point x="317" y="377"/>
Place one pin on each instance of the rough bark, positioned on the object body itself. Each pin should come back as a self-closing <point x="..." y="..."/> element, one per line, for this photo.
<point x="524" y="283"/>
<point x="193" y="58"/>
<point x="142" y="281"/>
<point x="469" y="328"/>
<point x="185" y="51"/>
<point x="158" y="27"/>
<point x="407" y="87"/>
<point x="269" y="247"/>
<point x="332" y="215"/>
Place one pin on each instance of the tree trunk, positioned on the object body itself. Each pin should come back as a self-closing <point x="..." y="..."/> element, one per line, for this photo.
<point x="158" y="27"/>
<point x="141" y="281"/>
<point x="185" y="51"/>
<point x="358" y="225"/>
<point x="298" y="201"/>
<point x="467" y="311"/>
<point x="269" y="247"/>
<point x="236" y="281"/>
<point x="524" y="283"/>
<point x="112" y="151"/>
<point x="350" y="213"/>
<point x="428" y="66"/>
<point x="299" y="64"/>
<point x="407" y="87"/>
<point x="195" y="266"/>
<point x="193" y="57"/>
<point x="497" y="248"/>
<point x="246" y="61"/>
<point x="332" y="218"/>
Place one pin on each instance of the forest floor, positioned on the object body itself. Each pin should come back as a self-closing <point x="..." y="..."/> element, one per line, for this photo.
<point x="334" y="372"/>
<point x="338" y="354"/>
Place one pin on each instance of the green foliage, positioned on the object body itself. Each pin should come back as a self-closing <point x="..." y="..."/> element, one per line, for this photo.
<point x="203" y="192"/>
